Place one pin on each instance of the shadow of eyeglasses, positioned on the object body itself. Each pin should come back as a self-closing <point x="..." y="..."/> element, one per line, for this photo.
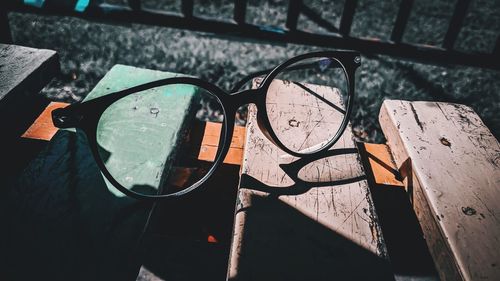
<point x="332" y="176"/>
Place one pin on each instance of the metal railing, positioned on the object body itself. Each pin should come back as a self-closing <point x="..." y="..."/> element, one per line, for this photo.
<point x="445" y="54"/>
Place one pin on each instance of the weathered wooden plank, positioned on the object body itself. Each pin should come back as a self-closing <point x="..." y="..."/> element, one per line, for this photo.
<point x="43" y="128"/>
<point x="148" y="119"/>
<point x="322" y="230"/>
<point x="23" y="73"/>
<point x="408" y="252"/>
<point x="210" y="143"/>
<point x="21" y="63"/>
<point x="382" y="165"/>
<point x="452" y="161"/>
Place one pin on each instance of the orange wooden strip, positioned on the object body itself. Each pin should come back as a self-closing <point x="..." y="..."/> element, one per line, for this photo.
<point x="212" y="134"/>
<point x="43" y="128"/>
<point x="383" y="167"/>
<point x="210" y="142"/>
<point x="234" y="155"/>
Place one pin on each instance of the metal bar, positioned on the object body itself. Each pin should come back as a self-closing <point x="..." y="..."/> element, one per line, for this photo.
<point x="134" y="4"/>
<point x="187" y="8"/>
<point x="314" y="17"/>
<point x="427" y="54"/>
<point x="347" y="17"/>
<point x="455" y="23"/>
<point x="292" y="17"/>
<point x="240" y="10"/>
<point x="496" y="50"/>
<point x="401" y="20"/>
<point x="5" y="36"/>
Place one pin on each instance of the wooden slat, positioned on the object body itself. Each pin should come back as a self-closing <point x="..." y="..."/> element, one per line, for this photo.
<point x="409" y="260"/>
<point x="285" y="230"/>
<point x="43" y="128"/>
<point x="123" y="127"/>
<point x="382" y="165"/>
<point x="210" y="144"/>
<point x="23" y="73"/>
<point x="453" y="176"/>
<point x="20" y="63"/>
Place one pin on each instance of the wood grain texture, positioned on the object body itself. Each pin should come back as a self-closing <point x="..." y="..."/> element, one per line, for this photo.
<point x="382" y="165"/>
<point x="320" y="227"/>
<point x="210" y="144"/>
<point x="43" y="128"/>
<point x="453" y="177"/>
<point x="20" y="63"/>
<point x="23" y="73"/>
<point x="157" y="119"/>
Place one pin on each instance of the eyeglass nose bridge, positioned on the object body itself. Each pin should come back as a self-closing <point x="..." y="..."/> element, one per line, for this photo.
<point x="245" y="97"/>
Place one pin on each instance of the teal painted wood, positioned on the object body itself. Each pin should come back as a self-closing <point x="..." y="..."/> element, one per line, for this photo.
<point x="59" y="221"/>
<point x="139" y="136"/>
<point x="121" y="77"/>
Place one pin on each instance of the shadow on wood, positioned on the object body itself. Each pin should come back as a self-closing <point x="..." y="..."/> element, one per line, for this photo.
<point x="408" y="252"/>
<point x="60" y="222"/>
<point x="300" y="248"/>
<point x="189" y="238"/>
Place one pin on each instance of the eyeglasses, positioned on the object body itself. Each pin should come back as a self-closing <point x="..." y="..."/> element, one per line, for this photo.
<point x="146" y="139"/>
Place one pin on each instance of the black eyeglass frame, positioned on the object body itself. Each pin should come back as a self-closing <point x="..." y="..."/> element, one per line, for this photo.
<point x="86" y="115"/>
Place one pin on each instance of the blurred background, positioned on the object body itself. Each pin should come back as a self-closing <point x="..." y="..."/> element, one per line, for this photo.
<point x="88" y="49"/>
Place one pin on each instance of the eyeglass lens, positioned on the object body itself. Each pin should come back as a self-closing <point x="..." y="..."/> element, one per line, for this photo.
<point x="159" y="144"/>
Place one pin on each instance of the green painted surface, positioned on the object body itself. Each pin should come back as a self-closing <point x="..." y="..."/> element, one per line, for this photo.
<point x="139" y="135"/>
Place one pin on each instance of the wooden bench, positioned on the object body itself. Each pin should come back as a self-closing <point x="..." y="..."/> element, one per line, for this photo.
<point x="204" y="235"/>
<point x="324" y="230"/>
<point x="23" y="73"/>
<point x="451" y="162"/>
<point x="283" y="230"/>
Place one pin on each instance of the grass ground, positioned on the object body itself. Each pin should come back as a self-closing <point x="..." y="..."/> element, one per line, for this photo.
<point x="89" y="49"/>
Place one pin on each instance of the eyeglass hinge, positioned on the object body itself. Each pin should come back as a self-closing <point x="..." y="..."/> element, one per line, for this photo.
<point x="63" y="118"/>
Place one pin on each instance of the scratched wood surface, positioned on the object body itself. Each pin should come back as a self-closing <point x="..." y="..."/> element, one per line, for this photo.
<point x="19" y="64"/>
<point x="320" y="227"/>
<point x="452" y="163"/>
<point x="23" y="73"/>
